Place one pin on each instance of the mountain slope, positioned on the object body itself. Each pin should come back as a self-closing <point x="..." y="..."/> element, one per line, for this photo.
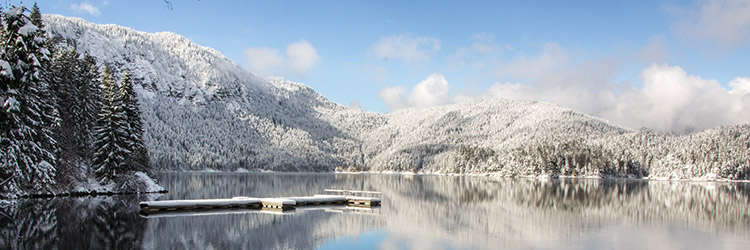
<point x="201" y="110"/>
<point x="413" y="139"/>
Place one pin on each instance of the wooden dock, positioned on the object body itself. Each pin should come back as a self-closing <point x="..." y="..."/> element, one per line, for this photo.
<point x="358" y="198"/>
<point x="267" y="204"/>
<point x="341" y="209"/>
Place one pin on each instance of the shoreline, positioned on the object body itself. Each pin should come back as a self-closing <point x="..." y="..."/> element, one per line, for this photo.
<point x="93" y="190"/>
<point x="90" y="187"/>
<point x="549" y="177"/>
<point x="92" y="193"/>
<point x="489" y="174"/>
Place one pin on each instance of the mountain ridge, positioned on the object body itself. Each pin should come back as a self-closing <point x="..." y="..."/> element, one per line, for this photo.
<point x="201" y="110"/>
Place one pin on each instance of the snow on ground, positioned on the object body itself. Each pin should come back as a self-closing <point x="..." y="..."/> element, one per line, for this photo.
<point x="203" y="111"/>
<point x="151" y="186"/>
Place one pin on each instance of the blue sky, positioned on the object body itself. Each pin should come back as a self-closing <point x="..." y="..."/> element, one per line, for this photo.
<point x="612" y="59"/>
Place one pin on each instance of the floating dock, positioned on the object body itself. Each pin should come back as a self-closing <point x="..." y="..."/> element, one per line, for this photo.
<point x="347" y="198"/>
<point x="343" y="209"/>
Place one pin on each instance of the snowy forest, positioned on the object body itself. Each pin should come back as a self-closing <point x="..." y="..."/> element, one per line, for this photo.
<point x="89" y="105"/>
<point x="65" y="125"/>
<point x="202" y="111"/>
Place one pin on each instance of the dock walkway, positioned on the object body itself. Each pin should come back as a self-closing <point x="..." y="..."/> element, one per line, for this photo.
<point x="281" y="203"/>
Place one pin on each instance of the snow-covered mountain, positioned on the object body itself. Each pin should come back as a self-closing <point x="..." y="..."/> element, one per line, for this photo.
<point x="201" y="110"/>
<point x="428" y="138"/>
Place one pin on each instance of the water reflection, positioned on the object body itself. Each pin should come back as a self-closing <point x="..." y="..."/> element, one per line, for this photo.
<point x="72" y="223"/>
<point x="418" y="212"/>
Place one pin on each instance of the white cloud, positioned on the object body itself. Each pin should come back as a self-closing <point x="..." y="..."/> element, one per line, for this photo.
<point x="432" y="91"/>
<point x="740" y="86"/>
<point x="393" y="97"/>
<point x="551" y="58"/>
<point x="585" y="87"/>
<point x="86" y="7"/>
<point x="300" y="58"/>
<point x="481" y="54"/>
<point x="670" y="100"/>
<point x="264" y="61"/>
<point x="408" y="48"/>
<point x="355" y="105"/>
<point x="724" y="22"/>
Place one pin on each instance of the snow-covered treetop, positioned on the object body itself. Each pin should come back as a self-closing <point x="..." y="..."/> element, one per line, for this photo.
<point x="202" y="110"/>
<point x="169" y="63"/>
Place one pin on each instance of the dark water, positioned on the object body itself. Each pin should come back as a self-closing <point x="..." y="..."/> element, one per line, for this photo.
<point x="418" y="212"/>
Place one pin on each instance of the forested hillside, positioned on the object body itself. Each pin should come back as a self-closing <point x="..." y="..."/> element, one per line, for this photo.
<point x="201" y="110"/>
<point x="64" y="126"/>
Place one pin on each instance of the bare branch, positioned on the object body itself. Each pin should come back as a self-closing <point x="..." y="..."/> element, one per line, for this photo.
<point x="169" y="4"/>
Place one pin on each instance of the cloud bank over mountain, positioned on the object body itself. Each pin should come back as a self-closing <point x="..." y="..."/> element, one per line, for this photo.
<point x="669" y="99"/>
<point x="300" y="58"/>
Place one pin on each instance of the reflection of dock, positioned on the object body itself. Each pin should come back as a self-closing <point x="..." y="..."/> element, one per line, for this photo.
<point x="353" y="210"/>
<point x="347" y="198"/>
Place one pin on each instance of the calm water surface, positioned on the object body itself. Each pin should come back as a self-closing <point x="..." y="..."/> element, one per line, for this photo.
<point x="418" y="212"/>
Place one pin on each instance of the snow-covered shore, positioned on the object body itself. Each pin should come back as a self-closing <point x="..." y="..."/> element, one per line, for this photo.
<point x="138" y="183"/>
<point x="707" y="178"/>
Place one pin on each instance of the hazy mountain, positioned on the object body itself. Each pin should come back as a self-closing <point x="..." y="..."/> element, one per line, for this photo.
<point x="202" y="110"/>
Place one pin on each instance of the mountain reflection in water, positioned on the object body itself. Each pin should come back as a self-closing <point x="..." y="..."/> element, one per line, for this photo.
<point x="418" y="212"/>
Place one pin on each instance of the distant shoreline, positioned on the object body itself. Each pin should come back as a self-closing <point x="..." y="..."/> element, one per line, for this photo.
<point x="489" y="174"/>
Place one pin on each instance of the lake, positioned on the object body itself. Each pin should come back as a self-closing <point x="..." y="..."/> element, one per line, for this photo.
<point x="418" y="212"/>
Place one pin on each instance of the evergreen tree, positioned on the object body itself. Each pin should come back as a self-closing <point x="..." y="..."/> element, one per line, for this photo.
<point x="36" y="17"/>
<point x="66" y="78"/>
<point x="75" y="89"/>
<point x="27" y="113"/>
<point x="90" y="94"/>
<point x="111" y="137"/>
<point x="138" y="160"/>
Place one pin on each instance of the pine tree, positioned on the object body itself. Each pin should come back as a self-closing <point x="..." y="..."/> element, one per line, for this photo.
<point x="138" y="160"/>
<point x="67" y="76"/>
<point x="91" y="96"/>
<point x="27" y="113"/>
<point x="111" y="138"/>
<point x="36" y="17"/>
<point x="75" y="89"/>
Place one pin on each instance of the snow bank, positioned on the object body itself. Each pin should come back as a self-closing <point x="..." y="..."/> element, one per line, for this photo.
<point x="151" y="186"/>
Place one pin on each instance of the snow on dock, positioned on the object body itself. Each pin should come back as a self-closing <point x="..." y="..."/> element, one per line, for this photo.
<point x="209" y="212"/>
<point x="272" y="204"/>
<point x="337" y="208"/>
<point x="319" y="200"/>
<point x="199" y="204"/>
<point x="357" y="198"/>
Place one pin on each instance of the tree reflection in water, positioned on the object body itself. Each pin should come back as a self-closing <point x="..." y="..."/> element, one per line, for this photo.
<point x="73" y="223"/>
<point x="417" y="212"/>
